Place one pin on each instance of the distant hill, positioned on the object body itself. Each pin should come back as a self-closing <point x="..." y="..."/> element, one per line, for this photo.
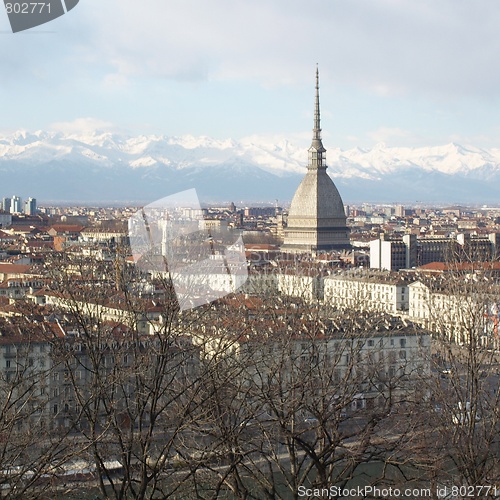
<point x="107" y="167"/>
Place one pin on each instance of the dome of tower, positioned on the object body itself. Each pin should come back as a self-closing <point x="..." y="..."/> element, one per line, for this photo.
<point x="317" y="197"/>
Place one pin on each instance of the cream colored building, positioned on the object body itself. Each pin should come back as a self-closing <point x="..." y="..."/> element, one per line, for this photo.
<point x="371" y="356"/>
<point x="367" y="290"/>
<point x="454" y="316"/>
<point x="304" y="283"/>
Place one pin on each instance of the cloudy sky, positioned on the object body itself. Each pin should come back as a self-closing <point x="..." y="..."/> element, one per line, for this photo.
<point x="403" y="72"/>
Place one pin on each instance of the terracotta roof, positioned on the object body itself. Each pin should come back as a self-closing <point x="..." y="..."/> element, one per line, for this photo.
<point x="14" y="268"/>
<point x="102" y="230"/>
<point x="261" y="246"/>
<point x="22" y="229"/>
<point x="67" y="228"/>
<point x="40" y="293"/>
<point x="39" y="243"/>
<point x="6" y="236"/>
<point x="461" y="266"/>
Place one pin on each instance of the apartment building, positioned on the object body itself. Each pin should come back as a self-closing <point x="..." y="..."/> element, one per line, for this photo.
<point x="47" y="373"/>
<point x="305" y="282"/>
<point x="456" y="314"/>
<point x="410" y="251"/>
<point x="367" y="290"/>
<point x="371" y="357"/>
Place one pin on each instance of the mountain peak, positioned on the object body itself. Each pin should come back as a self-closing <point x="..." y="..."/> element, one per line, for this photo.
<point x="177" y="160"/>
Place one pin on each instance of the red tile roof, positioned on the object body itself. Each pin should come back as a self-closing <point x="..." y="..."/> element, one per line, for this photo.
<point x="461" y="266"/>
<point x="14" y="268"/>
<point x="67" y="228"/>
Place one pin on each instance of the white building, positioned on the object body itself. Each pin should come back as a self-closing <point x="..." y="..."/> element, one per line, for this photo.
<point x="392" y="255"/>
<point x="367" y="358"/>
<point x="16" y="205"/>
<point x="410" y="251"/>
<point x="306" y="283"/>
<point x="455" y="315"/>
<point x="367" y="291"/>
<point x="30" y="206"/>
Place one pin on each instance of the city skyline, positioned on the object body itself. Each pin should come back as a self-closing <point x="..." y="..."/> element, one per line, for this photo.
<point x="171" y="326"/>
<point x="394" y="72"/>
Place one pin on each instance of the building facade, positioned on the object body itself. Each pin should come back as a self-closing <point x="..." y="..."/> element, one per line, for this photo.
<point x="409" y="251"/>
<point x="367" y="291"/>
<point x="367" y="361"/>
<point x="455" y="315"/>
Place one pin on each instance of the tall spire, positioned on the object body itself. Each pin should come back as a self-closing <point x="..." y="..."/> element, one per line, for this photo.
<point x="317" y="126"/>
<point x="316" y="151"/>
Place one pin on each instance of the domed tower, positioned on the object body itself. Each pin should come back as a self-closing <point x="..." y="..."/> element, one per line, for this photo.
<point x="316" y="219"/>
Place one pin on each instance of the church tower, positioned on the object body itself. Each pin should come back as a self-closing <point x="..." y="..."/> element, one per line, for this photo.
<point x="316" y="219"/>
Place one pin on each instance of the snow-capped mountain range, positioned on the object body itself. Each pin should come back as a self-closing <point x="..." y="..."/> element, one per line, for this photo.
<point x="105" y="166"/>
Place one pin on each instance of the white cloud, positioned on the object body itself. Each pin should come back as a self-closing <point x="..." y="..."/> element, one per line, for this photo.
<point x="82" y="126"/>
<point x="392" y="136"/>
<point x="389" y="47"/>
<point x="104" y="54"/>
<point x="113" y="81"/>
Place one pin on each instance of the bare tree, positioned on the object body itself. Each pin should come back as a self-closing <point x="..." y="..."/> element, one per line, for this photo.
<point x="256" y="396"/>
<point x="464" y="445"/>
<point x="30" y="452"/>
<point x="130" y="374"/>
<point x="300" y="398"/>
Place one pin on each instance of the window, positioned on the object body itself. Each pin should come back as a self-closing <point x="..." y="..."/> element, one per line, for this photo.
<point x="7" y="363"/>
<point x="371" y="343"/>
<point x="402" y="354"/>
<point x="402" y="342"/>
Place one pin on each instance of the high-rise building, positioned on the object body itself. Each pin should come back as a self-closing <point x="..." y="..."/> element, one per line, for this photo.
<point x="399" y="211"/>
<point x="30" y="206"/>
<point x="16" y="206"/>
<point x="393" y="254"/>
<point x="316" y="219"/>
<point x="6" y="202"/>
